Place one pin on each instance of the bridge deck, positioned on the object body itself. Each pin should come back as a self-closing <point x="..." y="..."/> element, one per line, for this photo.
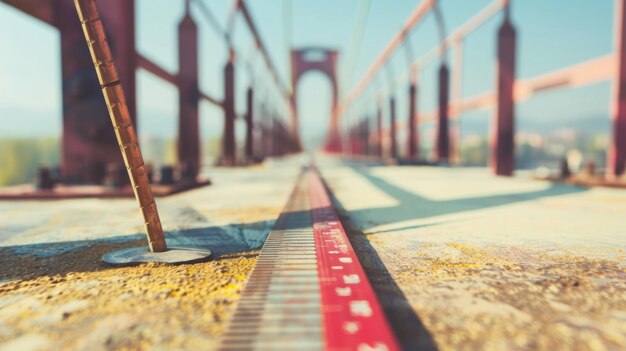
<point x="458" y="258"/>
<point x="55" y="292"/>
<point x="464" y="260"/>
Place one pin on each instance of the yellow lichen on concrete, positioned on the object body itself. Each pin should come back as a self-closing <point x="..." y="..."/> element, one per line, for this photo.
<point x="133" y="308"/>
<point x="56" y="294"/>
<point x="469" y="261"/>
<point x="247" y="215"/>
<point x="471" y="297"/>
<point x="483" y="299"/>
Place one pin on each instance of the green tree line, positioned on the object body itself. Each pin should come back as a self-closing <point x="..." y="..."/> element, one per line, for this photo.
<point x="20" y="158"/>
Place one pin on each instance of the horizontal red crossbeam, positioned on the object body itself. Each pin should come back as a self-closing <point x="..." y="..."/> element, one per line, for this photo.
<point x="384" y="56"/>
<point x="157" y="70"/>
<point x="44" y="10"/>
<point x="581" y="74"/>
<point x="169" y="77"/>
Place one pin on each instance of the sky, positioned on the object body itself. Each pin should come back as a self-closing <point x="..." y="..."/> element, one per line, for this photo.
<point x="551" y="35"/>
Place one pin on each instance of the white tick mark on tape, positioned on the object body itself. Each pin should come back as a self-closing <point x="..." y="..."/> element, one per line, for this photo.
<point x="360" y="308"/>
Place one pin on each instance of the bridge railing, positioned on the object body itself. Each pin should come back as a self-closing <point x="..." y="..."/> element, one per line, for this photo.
<point x="85" y="157"/>
<point x="508" y="90"/>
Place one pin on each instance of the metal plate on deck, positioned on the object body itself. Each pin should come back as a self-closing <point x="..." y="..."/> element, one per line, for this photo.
<point x="174" y="255"/>
<point x="308" y="290"/>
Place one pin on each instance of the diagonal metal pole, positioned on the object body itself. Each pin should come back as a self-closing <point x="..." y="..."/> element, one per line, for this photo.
<point x="120" y="117"/>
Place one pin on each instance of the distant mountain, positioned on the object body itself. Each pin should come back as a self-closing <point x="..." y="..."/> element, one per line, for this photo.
<point x="589" y="125"/>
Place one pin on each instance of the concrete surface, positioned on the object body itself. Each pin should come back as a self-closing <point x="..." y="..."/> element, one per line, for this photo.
<point x="460" y="260"/>
<point x="464" y="260"/>
<point x="56" y="294"/>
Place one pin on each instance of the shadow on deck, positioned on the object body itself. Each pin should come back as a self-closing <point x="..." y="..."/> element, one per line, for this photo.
<point x="30" y="261"/>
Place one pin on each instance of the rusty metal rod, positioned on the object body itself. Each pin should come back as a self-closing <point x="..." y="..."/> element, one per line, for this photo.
<point x="120" y="117"/>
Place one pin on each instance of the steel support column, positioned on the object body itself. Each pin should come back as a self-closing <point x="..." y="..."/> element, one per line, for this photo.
<point x="250" y="124"/>
<point x="278" y="136"/>
<point x="267" y="132"/>
<point x="392" y="128"/>
<point x="443" y="133"/>
<point x="617" y="154"/>
<point x="413" y="145"/>
<point x="353" y="141"/>
<point x="365" y="127"/>
<point x="119" y="18"/>
<point x="188" y="97"/>
<point x="275" y="137"/>
<point x="358" y="141"/>
<point x="282" y="140"/>
<point x="379" y="131"/>
<point x="228" y="138"/>
<point x="88" y="145"/>
<point x="503" y="137"/>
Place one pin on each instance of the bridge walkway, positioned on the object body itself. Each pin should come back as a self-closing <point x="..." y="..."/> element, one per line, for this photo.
<point x="457" y="258"/>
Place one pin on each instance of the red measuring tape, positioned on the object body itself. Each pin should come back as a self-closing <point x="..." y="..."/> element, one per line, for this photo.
<point x="308" y="290"/>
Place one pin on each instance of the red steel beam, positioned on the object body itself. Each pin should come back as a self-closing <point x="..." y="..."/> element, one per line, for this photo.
<point x="617" y="153"/>
<point x="249" y="117"/>
<point x="188" y="109"/>
<point x="589" y="72"/>
<point x="464" y="30"/>
<point x="586" y="73"/>
<point x="581" y="74"/>
<point x="503" y="131"/>
<point x="443" y="131"/>
<point x="119" y="19"/>
<point x="88" y="146"/>
<point x="211" y="99"/>
<point x="413" y="135"/>
<point x="241" y="5"/>
<point x="44" y="10"/>
<point x="379" y="130"/>
<point x="456" y="38"/>
<point x="384" y="56"/>
<point x="157" y="70"/>
<point x="169" y="77"/>
<point x="392" y="128"/>
<point x="229" y="147"/>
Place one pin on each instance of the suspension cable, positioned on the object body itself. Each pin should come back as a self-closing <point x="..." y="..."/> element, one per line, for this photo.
<point x="212" y="20"/>
<point x="357" y="40"/>
<point x="288" y="34"/>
